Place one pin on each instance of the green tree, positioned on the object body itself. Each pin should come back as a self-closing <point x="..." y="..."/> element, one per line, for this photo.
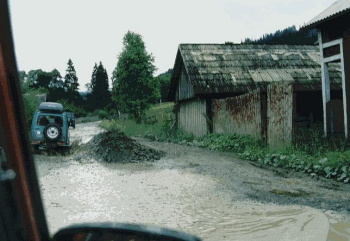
<point x="56" y="81"/>
<point x="23" y="76"/>
<point x="92" y="83"/>
<point x="100" y="95"/>
<point x="56" y="86"/>
<point x="70" y="79"/>
<point x="51" y="84"/>
<point x="71" y="86"/>
<point x="32" y="78"/>
<point x="164" y="82"/>
<point x="134" y="88"/>
<point x="41" y="79"/>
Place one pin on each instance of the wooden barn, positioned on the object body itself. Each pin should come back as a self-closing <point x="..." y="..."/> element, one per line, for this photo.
<point x="333" y="26"/>
<point x="260" y="90"/>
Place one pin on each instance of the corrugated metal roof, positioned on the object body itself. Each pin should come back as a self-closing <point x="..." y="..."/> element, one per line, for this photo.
<point x="220" y="68"/>
<point x="338" y="8"/>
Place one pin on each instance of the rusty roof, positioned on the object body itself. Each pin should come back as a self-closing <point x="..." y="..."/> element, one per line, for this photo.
<point x="337" y="9"/>
<point x="221" y="68"/>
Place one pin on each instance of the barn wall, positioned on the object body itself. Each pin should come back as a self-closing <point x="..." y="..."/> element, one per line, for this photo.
<point x="279" y="114"/>
<point x="192" y="117"/>
<point x="185" y="88"/>
<point x="238" y="115"/>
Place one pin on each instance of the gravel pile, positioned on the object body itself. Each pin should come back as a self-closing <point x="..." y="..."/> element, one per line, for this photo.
<point x="115" y="146"/>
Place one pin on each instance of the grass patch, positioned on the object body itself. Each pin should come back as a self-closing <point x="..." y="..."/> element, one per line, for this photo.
<point x="152" y="126"/>
<point x="161" y="108"/>
<point x="298" y="193"/>
<point x="131" y="128"/>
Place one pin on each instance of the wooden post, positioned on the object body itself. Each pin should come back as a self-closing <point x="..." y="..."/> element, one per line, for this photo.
<point x="343" y="81"/>
<point x="325" y="84"/>
<point x="345" y="65"/>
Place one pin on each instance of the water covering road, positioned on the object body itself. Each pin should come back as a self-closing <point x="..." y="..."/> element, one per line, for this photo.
<point x="212" y="195"/>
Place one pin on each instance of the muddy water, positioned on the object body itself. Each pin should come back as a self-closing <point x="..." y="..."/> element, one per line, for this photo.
<point x="185" y="190"/>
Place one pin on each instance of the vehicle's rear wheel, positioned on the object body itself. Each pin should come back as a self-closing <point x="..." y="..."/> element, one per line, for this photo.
<point x="52" y="132"/>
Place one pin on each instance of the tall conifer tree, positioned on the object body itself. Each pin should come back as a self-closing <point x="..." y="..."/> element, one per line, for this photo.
<point x="70" y="79"/>
<point x="100" y="87"/>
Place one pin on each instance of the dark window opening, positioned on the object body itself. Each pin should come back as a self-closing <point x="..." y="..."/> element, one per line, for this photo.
<point x="309" y="108"/>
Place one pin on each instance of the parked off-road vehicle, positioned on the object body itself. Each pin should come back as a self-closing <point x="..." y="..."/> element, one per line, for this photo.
<point x="50" y="127"/>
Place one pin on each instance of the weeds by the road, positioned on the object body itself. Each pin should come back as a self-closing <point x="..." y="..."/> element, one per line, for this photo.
<point x="334" y="168"/>
<point x="310" y="152"/>
<point x="131" y="128"/>
<point x="152" y="125"/>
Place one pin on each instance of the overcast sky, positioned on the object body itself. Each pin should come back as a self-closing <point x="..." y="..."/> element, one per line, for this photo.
<point x="49" y="32"/>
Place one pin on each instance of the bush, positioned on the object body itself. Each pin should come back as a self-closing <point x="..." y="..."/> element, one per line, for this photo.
<point x="71" y="107"/>
<point x="334" y="165"/>
<point x="31" y="103"/>
<point x="234" y="142"/>
<point x="102" y="114"/>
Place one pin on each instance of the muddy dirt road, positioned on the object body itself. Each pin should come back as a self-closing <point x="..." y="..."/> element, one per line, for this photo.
<point x="213" y="195"/>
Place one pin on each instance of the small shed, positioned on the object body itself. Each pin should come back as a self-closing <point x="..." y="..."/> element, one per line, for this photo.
<point x="260" y="90"/>
<point x="333" y="26"/>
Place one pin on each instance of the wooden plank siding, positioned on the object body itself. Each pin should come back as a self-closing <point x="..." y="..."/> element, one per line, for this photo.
<point x="185" y="88"/>
<point x="238" y="115"/>
<point x="279" y="114"/>
<point x="192" y="117"/>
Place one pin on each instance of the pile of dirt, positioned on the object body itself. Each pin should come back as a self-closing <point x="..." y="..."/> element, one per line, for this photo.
<point x="115" y="146"/>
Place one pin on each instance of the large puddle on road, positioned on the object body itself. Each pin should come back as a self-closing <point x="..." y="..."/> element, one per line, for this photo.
<point x="174" y="198"/>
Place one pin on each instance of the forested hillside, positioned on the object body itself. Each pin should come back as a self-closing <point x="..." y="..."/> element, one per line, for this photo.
<point x="290" y="36"/>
